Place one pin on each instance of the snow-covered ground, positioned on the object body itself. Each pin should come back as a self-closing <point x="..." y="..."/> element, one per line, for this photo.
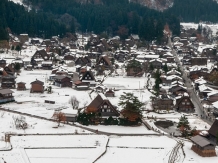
<point x="86" y="149"/>
<point x="213" y="27"/>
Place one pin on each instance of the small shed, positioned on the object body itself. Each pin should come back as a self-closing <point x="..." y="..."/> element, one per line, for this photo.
<point x="203" y="146"/>
<point x="37" y="86"/>
<point x="110" y="93"/>
<point x="70" y="114"/>
<point x="21" y="86"/>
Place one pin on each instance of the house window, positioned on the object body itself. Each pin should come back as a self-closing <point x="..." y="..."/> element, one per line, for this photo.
<point x="108" y="110"/>
<point x="102" y="110"/>
<point x="188" y="103"/>
<point x="89" y="77"/>
<point x="85" y="77"/>
<point x="183" y="103"/>
<point x="105" y="106"/>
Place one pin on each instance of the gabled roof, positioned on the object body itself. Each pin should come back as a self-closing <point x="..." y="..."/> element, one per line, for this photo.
<point x="214" y="128"/>
<point x="201" y="141"/>
<point x="37" y="82"/>
<point x="88" y="73"/>
<point x="5" y="91"/>
<point x="60" y="77"/>
<point x="170" y="77"/>
<point x="98" y="101"/>
<point x="21" y="83"/>
<point x="178" y="101"/>
<point x="105" y="58"/>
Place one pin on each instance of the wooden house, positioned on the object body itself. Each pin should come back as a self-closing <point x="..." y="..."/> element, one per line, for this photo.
<point x="213" y="131"/>
<point x="83" y="61"/>
<point x="79" y="85"/>
<point x="212" y="96"/>
<point x="200" y="61"/>
<point x="203" y="146"/>
<point x="9" y="69"/>
<point x="37" y="86"/>
<point x="8" y="81"/>
<point x="134" y="38"/>
<point x="41" y="54"/>
<point x="163" y="102"/>
<point x="21" y="86"/>
<point x="34" y="41"/>
<point x="69" y="57"/>
<point x="177" y="90"/>
<point x="103" y="106"/>
<point x="94" y="40"/>
<point x="184" y="104"/>
<point x="2" y="63"/>
<point x="174" y="72"/>
<point x="110" y="93"/>
<point x="23" y="38"/>
<point x="62" y="81"/>
<point x="88" y="77"/>
<point x="156" y="63"/>
<point x="47" y="65"/>
<point x="6" y="95"/>
<point x="133" y="68"/>
<point x="104" y="61"/>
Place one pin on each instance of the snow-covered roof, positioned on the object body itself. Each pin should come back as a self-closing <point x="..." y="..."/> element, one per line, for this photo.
<point x="172" y="77"/>
<point x="212" y="93"/>
<point x="215" y="104"/>
<point x="103" y="96"/>
<point x="200" y="81"/>
<point x="204" y="88"/>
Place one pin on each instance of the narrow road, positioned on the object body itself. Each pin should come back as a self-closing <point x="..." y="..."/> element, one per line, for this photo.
<point x="195" y="99"/>
<point x="75" y="125"/>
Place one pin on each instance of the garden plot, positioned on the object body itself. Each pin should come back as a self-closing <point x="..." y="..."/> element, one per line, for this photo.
<point x="138" y="149"/>
<point x="43" y="149"/>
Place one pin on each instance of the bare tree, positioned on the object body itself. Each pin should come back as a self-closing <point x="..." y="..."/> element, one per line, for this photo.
<point x="74" y="102"/>
<point x="20" y="122"/>
<point x="2" y="113"/>
<point x="59" y="117"/>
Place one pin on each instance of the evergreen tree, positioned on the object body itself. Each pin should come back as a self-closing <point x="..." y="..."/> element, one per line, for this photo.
<point x="165" y="68"/>
<point x="183" y="125"/>
<point x="17" y="67"/>
<point x="17" y="48"/>
<point x="72" y="26"/>
<point x="131" y="107"/>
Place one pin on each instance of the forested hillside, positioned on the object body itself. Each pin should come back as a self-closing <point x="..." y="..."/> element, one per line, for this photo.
<point x="195" y="10"/>
<point x="113" y="17"/>
<point x="15" y="18"/>
<point x="110" y="16"/>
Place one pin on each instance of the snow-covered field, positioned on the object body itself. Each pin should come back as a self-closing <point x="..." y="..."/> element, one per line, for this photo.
<point x="87" y="148"/>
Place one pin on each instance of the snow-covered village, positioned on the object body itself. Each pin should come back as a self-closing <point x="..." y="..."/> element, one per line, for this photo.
<point x="102" y="96"/>
<point x="89" y="99"/>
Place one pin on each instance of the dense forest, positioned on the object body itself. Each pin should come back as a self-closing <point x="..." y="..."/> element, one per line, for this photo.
<point x="15" y="18"/>
<point x="195" y="10"/>
<point x="111" y="17"/>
